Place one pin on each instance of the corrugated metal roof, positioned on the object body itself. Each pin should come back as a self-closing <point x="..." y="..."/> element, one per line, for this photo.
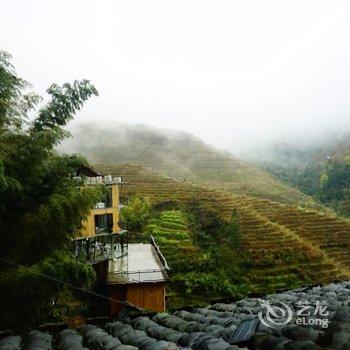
<point x="141" y="265"/>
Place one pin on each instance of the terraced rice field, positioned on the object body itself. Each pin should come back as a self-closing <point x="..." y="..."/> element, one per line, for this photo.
<point x="171" y="232"/>
<point x="288" y="246"/>
<point x="329" y="234"/>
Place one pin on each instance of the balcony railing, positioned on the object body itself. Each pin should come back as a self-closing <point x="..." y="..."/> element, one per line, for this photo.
<point x="142" y="276"/>
<point x="159" y="253"/>
<point x="102" y="247"/>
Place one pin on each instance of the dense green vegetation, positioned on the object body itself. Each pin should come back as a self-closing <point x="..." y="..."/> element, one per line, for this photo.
<point x="320" y="169"/>
<point x="202" y="250"/>
<point x="335" y="187"/>
<point x="328" y="183"/>
<point x="41" y="205"/>
<point x="135" y="215"/>
<point x="200" y="247"/>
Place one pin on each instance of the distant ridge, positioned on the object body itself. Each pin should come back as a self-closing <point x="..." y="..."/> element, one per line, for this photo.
<point x="179" y="155"/>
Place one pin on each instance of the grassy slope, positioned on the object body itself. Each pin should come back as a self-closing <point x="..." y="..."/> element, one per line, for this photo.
<point x="181" y="156"/>
<point x="288" y="246"/>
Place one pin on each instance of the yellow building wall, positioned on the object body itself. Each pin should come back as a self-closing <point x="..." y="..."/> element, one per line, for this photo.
<point x="88" y="229"/>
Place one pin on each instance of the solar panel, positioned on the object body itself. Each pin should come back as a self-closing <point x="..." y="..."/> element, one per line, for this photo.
<point x="300" y="290"/>
<point x="244" y="331"/>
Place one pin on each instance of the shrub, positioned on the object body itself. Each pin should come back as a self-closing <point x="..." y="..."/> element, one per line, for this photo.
<point x="135" y="215"/>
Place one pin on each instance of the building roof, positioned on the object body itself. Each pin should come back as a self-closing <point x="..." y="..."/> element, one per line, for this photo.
<point x="140" y="265"/>
<point x="87" y="171"/>
<point x="92" y="177"/>
<point x="218" y="326"/>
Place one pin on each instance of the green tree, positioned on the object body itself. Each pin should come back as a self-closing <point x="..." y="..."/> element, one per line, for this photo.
<point x="41" y="205"/>
<point x="209" y="226"/>
<point x="135" y="215"/>
<point x="233" y="231"/>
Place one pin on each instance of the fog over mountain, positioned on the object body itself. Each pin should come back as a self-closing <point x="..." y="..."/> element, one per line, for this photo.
<point x="298" y="150"/>
<point x="179" y="155"/>
<point x="236" y="74"/>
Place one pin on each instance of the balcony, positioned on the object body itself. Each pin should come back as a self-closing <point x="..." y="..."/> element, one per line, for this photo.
<point x="142" y="264"/>
<point x="100" y="248"/>
<point x="141" y="276"/>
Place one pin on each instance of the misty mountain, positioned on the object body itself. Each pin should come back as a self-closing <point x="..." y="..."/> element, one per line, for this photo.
<point x="179" y="155"/>
<point x="320" y="169"/>
<point x="299" y="155"/>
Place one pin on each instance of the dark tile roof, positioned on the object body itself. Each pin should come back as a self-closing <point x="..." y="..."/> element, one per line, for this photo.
<point x="216" y="327"/>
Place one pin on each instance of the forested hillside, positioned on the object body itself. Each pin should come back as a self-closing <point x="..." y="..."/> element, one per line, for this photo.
<point x="282" y="246"/>
<point x="179" y="155"/>
<point x="320" y="169"/>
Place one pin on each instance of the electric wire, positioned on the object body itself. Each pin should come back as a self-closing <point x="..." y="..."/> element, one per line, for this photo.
<point x="72" y="286"/>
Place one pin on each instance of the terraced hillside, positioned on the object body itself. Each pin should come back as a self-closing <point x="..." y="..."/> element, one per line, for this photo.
<point x="328" y="233"/>
<point x="286" y="246"/>
<point x="171" y="231"/>
<point x="306" y="241"/>
<point x="179" y="155"/>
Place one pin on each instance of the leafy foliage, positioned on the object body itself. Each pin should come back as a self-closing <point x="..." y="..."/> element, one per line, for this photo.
<point x="29" y="296"/>
<point x="211" y="228"/>
<point x="328" y="183"/>
<point x="66" y="100"/>
<point x="14" y="104"/>
<point x="208" y="284"/>
<point x="41" y="205"/>
<point x="199" y="249"/>
<point x="134" y="216"/>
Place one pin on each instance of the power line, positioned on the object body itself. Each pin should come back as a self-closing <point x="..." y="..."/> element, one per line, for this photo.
<point x="68" y="284"/>
<point x="152" y="143"/>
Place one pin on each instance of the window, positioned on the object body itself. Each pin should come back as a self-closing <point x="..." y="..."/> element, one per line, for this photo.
<point x="106" y="200"/>
<point x="103" y="223"/>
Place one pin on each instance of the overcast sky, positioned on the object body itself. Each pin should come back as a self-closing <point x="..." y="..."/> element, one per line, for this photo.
<point x="231" y="72"/>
